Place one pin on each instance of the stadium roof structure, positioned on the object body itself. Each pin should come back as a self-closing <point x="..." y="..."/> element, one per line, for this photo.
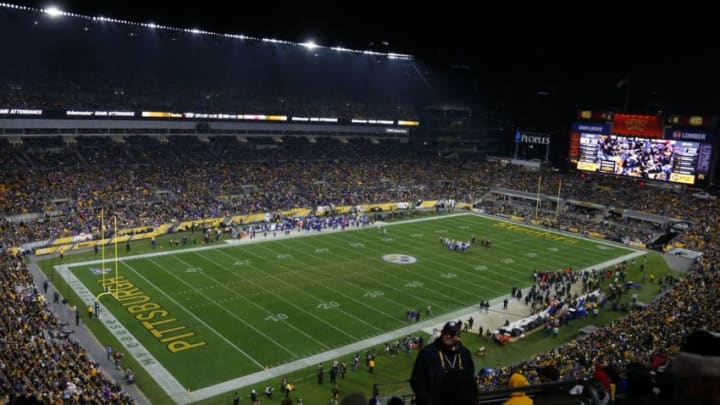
<point x="310" y="44"/>
<point x="539" y="67"/>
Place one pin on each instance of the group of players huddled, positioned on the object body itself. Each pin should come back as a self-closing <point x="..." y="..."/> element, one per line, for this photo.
<point x="455" y="245"/>
<point x="460" y="246"/>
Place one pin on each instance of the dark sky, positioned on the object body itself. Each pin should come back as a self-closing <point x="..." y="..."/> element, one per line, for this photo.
<point x="535" y="59"/>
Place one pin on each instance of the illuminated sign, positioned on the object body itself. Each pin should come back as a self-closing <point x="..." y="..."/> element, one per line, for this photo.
<point x="83" y="113"/>
<point x="696" y="120"/>
<point x="536" y="139"/>
<point x="161" y="114"/>
<point x="655" y="159"/>
<point x="409" y="123"/>
<point x="19" y="111"/>
<point x="704" y="158"/>
<point x="641" y="125"/>
<point x="590" y="128"/>
<point x="380" y="122"/>
<point x="700" y="136"/>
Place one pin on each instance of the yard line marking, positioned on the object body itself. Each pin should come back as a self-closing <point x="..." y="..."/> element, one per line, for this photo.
<point x="434" y="280"/>
<point x="190" y="312"/>
<point x="401" y="280"/>
<point x="247" y="380"/>
<point x="360" y="302"/>
<point x="311" y="295"/>
<point x="281" y="299"/>
<point x="511" y="251"/>
<point x="225" y="310"/>
<point x="230" y="243"/>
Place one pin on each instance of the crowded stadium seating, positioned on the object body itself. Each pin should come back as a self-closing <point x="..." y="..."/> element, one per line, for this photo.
<point x="52" y="189"/>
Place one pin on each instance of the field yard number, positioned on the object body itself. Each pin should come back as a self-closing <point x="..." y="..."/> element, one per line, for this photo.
<point x="374" y="294"/>
<point x="507" y="261"/>
<point x="242" y="262"/>
<point x="193" y="270"/>
<point x="464" y="227"/>
<point x="357" y="244"/>
<point x="448" y="275"/>
<point x="283" y="256"/>
<point x="553" y="249"/>
<point x="531" y="254"/>
<point x="480" y="267"/>
<point x="414" y="284"/>
<point x="322" y="250"/>
<point x="388" y="240"/>
<point x="277" y="317"/>
<point x="328" y="305"/>
<point x="416" y="235"/>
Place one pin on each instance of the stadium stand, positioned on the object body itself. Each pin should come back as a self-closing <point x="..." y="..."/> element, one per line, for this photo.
<point x="53" y="186"/>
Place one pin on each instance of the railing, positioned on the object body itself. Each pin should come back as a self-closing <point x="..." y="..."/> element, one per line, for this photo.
<point x="557" y="393"/>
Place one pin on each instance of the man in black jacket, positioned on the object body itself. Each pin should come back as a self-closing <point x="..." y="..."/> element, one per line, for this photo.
<point x="444" y="373"/>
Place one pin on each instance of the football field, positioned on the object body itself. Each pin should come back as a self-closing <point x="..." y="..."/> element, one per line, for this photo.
<point x="215" y="317"/>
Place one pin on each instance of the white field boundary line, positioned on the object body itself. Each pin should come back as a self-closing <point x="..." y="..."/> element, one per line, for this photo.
<point x="235" y="242"/>
<point x="555" y="231"/>
<point x="181" y="396"/>
<point x="132" y="346"/>
<point x="496" y="302"/>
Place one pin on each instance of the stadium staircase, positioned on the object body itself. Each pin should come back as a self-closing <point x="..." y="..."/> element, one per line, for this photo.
<point x="26" y="157"/>
<point x="80" y="157"/>
<point x="130" y="156"/>
<point x="482" y="198"/>
<point x="660" y="240"/>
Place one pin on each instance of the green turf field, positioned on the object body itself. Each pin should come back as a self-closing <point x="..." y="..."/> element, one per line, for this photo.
<point x="218" y="314"/>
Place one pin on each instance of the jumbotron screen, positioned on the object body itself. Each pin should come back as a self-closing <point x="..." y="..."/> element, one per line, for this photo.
<point x="654" y="159"/>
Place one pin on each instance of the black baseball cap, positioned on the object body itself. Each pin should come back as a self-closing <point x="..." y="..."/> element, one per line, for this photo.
<point x="451" y="327"/>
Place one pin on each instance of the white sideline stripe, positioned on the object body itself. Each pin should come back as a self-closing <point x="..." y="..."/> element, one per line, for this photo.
<point x="181" y="396"/>
<point x="314" y="360"/>
<point x="496" y="302"/>
<point x="234" y="242"/>
<point x="132" y="346"/>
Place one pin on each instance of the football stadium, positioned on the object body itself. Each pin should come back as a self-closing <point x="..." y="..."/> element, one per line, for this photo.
<point x="304" y="224"/>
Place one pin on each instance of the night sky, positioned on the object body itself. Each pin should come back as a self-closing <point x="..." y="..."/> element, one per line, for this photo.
<point x="536" y="61"/>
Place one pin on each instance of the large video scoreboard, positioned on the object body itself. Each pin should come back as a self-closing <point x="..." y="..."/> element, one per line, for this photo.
<point x="638" y="147"/>
<point x="654" y="159"/>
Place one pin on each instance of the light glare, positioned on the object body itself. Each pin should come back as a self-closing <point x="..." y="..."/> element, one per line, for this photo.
<point x="53" y="11"/>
